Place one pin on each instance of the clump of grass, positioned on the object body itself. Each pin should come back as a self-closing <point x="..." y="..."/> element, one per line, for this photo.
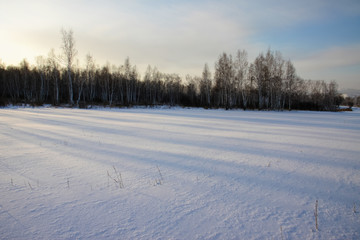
<point x="354" y="208"/>
<point x="31" y="188"/>
<point x="316" y="215"/>
<point x="117" y="178"/>
<point x="161" y="177"/>
<point x="159" y="181"/>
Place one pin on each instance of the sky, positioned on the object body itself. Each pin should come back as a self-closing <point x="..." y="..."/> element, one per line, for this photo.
<point x="321" y="37"/>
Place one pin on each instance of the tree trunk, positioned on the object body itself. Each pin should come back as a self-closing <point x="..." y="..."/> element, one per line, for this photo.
<point x="71" y="93"/>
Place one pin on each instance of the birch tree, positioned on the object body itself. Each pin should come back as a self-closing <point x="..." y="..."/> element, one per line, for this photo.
<point x="205" y="86"/>
<point x="90" y="76"/>
<point x="53" y="65"/>
<point x="261" y="74"/>
<point x="223" y="80"/>
<point x="290" y="81"/>
<point x="69" y="53"/>
<point x="41" y="67"/>
<point x="241" y="69"/>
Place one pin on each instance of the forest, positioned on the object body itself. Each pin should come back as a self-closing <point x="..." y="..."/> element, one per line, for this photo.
<point x="268" y="83"/>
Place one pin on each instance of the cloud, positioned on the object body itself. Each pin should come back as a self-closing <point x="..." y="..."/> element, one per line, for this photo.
<point x="175" y="38"/>
<point x="178" y="36"/>
<point x="340" y="63"/>
<point x="334" y="57"/>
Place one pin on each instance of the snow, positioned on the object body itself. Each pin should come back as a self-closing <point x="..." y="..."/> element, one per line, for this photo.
<point x="187" y="174"/>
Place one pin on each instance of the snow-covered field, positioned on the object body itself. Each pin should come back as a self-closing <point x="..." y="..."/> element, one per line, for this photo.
<point x="186" y="174"/>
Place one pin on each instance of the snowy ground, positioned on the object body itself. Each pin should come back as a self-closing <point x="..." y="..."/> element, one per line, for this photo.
<point x="187" y="174"/>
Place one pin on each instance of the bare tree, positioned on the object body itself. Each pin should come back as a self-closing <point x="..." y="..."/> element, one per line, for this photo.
<point x="157" y="84"/>
<point x="274" y="66"/>
<point x="26" y="84"/>
<point x="224" y="80"/>
<point x="241" y="71"/>
<point x="261" y="73"/>
<point x="205" y="86"/>
<point x="267" y="83"/>
<point x="53" y="65"/>
<point x="191" y="90"/>
<point x="290" y="81"/>
<point x="90" y="76"/>
<point x="331" y="95"/>
<point x="173" y="87"/>
<point x="41" y="66"/>
<point x="69" y="53"/>
<point x="79" y="80"/>
<point x="131" y="77"/>
<point x="147" y="81"/>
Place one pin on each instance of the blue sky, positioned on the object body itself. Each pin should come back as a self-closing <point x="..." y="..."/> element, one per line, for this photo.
<point x="321" y="37"/>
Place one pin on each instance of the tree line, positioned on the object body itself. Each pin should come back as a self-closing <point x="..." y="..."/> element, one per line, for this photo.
<point x="267" y="83"/>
